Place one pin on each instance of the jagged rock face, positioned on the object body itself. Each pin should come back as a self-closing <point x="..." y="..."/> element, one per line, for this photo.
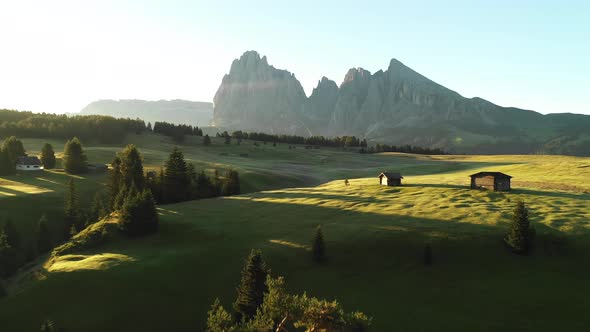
<point x="319" y="106"/>
<point x="257" y="96"/>
<point x="395" y="106"/>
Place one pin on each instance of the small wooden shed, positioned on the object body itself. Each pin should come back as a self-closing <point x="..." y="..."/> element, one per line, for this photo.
<point x="496" y="181"/>
<point x="390" y="179"/>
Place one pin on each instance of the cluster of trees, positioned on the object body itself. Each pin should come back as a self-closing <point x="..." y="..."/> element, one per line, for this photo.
<point x="344" y="141"/>
<point x="404" y="149"/>
<point x="130" y="195"/>
<point x="105" y="129"/>
<point x="262" y="304"/>
<point x="177" y="132"/>
<point x="179" y="181"/>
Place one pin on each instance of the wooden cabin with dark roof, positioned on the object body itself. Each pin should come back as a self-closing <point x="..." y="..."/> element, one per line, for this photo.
<point x="390" y="179"/>
<point x="496" y="181"/>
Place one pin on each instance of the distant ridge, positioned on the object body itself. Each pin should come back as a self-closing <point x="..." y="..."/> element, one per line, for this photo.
<point x="397" y="106"/>
<point x="175" y="111"/>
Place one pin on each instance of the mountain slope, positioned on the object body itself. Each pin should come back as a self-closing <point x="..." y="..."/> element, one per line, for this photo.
<point x="174" y="111"/>
<point x="395" y="106"/>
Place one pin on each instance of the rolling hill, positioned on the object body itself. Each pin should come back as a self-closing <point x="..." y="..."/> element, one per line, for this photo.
<point x="375" y="236"/>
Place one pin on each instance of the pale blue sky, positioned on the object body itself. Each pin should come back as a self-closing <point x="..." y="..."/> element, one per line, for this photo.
<point x="57" y="56"/>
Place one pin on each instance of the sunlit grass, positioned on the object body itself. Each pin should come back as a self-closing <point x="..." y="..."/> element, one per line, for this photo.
<point x="72" y="263"/>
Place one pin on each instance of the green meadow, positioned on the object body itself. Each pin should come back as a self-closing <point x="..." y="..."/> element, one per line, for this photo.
<point x="375" y="238"/>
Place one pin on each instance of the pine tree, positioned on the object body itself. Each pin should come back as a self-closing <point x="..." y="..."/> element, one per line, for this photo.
<point x="50" y="326"/>
<point x="132" y="167"/>
<point x="120" y="199"/>
<point x="72" y="214"/>
<point x="427" y="255"/>
<point x="12" y="234"/>
<point x="7" y="256"/>
<point x="48" y="156"/>
<point x="114" y="182"/>
<point x="44" y="243"/>
<point x="206" y="140"/>
<point x="98" y="209"/>
<point x="74" y="158"/>
<point x="318" y="248"/>
<point x="7" y="167"/>
<point x="252" y="286"/>
<point x="519" y="237"/>
<point x="176" y="178"/>
<point x="149" y="126"/>
<point x="232" y="183"/>
<point x="14" y="148"/>
<point x="138" y="214"/>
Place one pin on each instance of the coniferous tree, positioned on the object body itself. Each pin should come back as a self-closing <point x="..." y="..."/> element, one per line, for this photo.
<point x="14" y="148"/>
<point x="98" y="209"/>
<point x="131" y="167"/>
<point x="44" y="242"/>
<point x="72" y="213"/>
<point x="49" y="326"/>
<point x="176" y="179"/>
<point x="74" y="158"/>
<point x="114" y="182"/>
<point x="232" y="183"/>
<point x="318" y="248"/>
<point x="252" y="286"/>
<point x="204" y="186"/>
<point x="149" y="126"/>
<point x="519" y="237"/>
<point x="48" y="156"/>
<point x="121" y="196"/>
<point x="427" y="255"/>
<point x="138" y="214"/>
<point x="12" y="234"/>
<point x="7" y="256"/>
<point x="7" y="167"/>
<point x="206" y="140"/>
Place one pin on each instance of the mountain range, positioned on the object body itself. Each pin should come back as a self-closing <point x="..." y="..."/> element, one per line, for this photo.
<point x="174" y="111"/>
<point x="395" y="106"/>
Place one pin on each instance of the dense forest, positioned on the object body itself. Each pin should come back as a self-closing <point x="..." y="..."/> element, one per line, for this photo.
<point x="104" y="129"/>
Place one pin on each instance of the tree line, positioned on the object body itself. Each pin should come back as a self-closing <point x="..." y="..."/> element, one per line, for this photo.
<point x="104" y="129"/>
<point x="403" y="148"/>
<point x="177" y="132"/>
<point x="338" y="141"/>
<point x="179" y="181"/>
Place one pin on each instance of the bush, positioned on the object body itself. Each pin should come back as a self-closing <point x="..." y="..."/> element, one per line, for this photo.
<point x="93" y="236"/>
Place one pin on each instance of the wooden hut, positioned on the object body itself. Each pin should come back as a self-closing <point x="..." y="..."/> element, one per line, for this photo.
<point x="496" y="181"/>
<point x="390" y="179"/>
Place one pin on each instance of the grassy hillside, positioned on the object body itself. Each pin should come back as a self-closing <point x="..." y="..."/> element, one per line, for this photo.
<point x="375" y="239"/>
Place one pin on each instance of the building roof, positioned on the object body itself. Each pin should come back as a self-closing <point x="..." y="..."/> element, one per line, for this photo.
<point x="25" y="160"/>
<point x="391" y="175"/>
<point x="494" y="174"/>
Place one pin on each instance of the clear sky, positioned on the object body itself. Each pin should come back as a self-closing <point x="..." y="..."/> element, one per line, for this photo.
<point x="58" y="56"/>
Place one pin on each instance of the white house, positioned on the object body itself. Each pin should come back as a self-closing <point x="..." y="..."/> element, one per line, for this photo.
<point x="28" y="164"/>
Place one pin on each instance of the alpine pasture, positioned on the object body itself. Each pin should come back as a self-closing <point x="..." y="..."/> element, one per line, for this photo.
<point x="375" y="238"/>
